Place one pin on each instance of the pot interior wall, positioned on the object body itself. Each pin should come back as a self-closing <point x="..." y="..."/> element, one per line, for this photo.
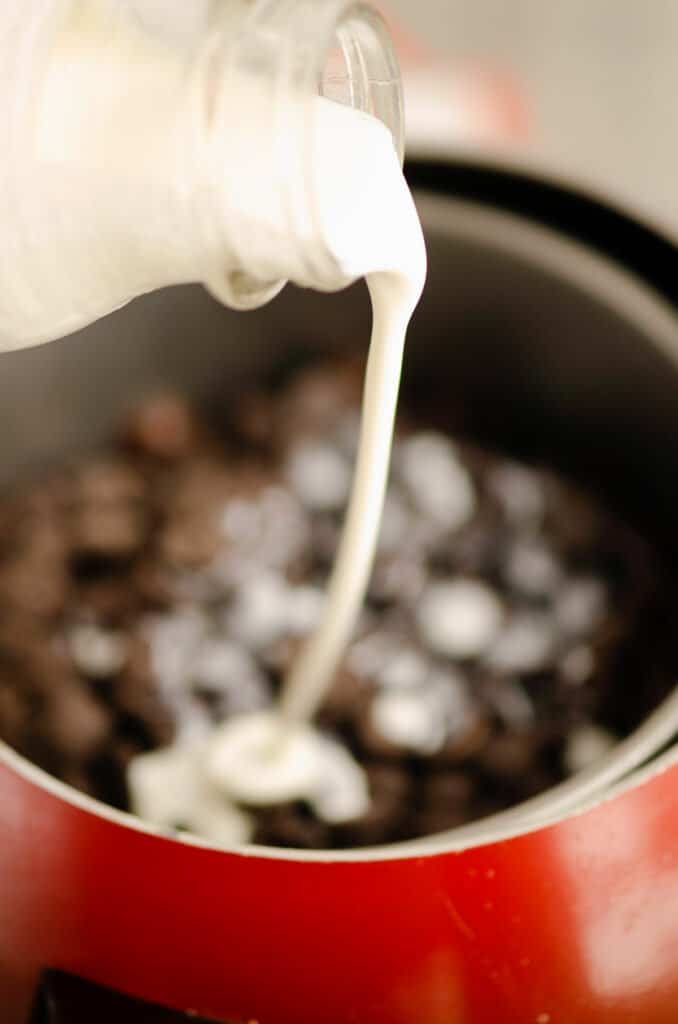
<point x="503" y="346"/>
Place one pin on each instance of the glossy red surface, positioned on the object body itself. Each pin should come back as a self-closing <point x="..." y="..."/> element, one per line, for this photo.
<point x="573" y="924"/>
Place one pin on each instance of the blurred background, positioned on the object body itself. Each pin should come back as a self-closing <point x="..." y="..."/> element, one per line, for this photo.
<point x="584" y="89"/>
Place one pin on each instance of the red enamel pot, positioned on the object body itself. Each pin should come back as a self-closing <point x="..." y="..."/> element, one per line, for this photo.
<point x="553" y="317"/>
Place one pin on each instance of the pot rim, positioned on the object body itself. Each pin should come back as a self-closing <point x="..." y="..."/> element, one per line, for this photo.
<point x="643" y="302"/>
<point x="520" y="168"/>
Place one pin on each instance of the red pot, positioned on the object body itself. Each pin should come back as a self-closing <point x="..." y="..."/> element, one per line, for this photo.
<point x="563" y="911"/>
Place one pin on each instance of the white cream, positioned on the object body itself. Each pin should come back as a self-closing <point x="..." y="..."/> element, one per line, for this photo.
<point x="371" y="227"/>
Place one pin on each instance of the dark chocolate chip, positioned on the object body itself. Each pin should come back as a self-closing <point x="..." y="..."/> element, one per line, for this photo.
<point x="390" y="790"/>
<point x="190" y="541"/>
<point x="453" y="789"/>
<point x="466" y="741"/>
<point x="144" y="716"/>
<point x="154" y="584"/>
<point x="509" y="755"/>
<point x="109" y="483"/>
<point x="74" y="722"/>
<point x="110" y="601"/>
<point x="33" y="587"/>
<point x="290" y="825"/>
<point x="14" y="713"/>
<point x="109" y="530"/>
<point x="344" y="702"/>
<point x="164" y="428"/>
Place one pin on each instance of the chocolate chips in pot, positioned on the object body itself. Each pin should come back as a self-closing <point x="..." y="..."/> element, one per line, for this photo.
<point x="149" y="594"/>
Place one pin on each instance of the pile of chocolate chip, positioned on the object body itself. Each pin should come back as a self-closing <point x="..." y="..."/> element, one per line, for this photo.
<point x="153" y="590"/>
